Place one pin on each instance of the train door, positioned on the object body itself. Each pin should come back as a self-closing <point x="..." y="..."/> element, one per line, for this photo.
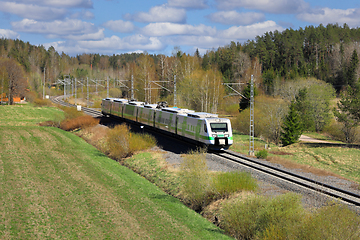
<point x="176" y="125"/>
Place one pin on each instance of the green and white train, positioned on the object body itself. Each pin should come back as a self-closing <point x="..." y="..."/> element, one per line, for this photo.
<point x="197" y="127"/>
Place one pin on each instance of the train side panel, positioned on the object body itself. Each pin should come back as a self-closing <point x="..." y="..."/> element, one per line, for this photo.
<point x="200" y="128"/>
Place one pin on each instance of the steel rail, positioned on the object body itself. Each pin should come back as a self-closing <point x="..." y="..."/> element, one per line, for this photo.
<point x="88" y="111"/>
<point x="335" y="192"/>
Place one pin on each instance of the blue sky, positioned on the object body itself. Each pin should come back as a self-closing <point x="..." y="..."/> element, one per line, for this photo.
<point x="123" y="26"/>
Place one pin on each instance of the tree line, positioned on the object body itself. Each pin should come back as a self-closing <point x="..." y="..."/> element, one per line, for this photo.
<point x="305" y="68"/>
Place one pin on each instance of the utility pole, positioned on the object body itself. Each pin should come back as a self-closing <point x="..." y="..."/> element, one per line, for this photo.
<point x="87" y="89"/>
<point x="2" y="89"/>
<point x="132" y="87"/>
<point x="44" y="84"/>
<point x="107" y="86"/>
<point x="251" y="143"/>
<point x="175" y="91"/>
<point x="75" y="91"/>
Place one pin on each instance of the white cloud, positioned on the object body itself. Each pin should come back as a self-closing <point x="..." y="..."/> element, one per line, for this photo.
<point x="194" y="4"/>
<point x="201" y="42"/>
<point x="235" y="18"/>
<point x="58" y="3"/>
<point x="270" y="6"/>
<point x="250" y="31"/>
<point x="6" y="33"/>
<point x="120" y="26"/>
<point x="327" y="15"/>
<point x="166" y="29"/>
<point x="217" y="38"/>
<point x="32" y="11"/>
<point x="87" y="15"/>
<point x="135" y="43"/>
<point x="159" y="14"/>
<point x="68" y="29"/>
<point x="131" y="43"/>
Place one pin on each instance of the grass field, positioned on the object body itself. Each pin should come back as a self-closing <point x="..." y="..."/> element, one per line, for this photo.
<point x="55" y="185"/>
<point x="342" y="161"/>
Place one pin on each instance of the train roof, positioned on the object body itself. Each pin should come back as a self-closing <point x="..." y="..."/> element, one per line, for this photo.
<point x="136" y="103"/>
<point x="203" y="115"/>
<point x="177" y="110"/>
<point x="150" y="105"/>
<point x="120" y="100"/>
<point x="115" y="99"/>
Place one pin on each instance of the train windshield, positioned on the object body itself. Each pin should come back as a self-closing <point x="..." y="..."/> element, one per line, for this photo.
<point x="219" y="127"/>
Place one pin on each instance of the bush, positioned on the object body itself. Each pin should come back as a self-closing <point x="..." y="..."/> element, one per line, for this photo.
<point x="121" y="143"/>
<point x="115" y="92"/>
<point x="79" y="122"/>
<point x="195" y="180"/>
<point x="232" y="109"/>
<point x="262" y="154"/>
<point x="337" y="131"/>
<point x="226" y="183"/>
<point x="140" y="142"/>
<point x="199" y="188"/>
<point x="38" y="102"/>
<point x="31" y="96"/>
<point x="118" y="141"/>
<point x="71" y="112"/>
<point x="259" y="217"/>
<point x="334" y="221"/>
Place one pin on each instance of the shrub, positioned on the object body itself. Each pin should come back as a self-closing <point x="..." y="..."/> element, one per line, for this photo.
<point x="232" y="109"/>
<point x="31" y="96"/>
<point x="140" y="142"/>
<point x="79" y="122"/>
<point x="115" y="92"/>
<point x="338" y="131"/>
<point x="195" y="180"/>
<point x="334" y="221"/>
<point x="71" y="112"/>
<point x="259" y="217"/>
<point x="226" y="183"/>
<point x="118" y="141"/>
<point x="262" y="154"/>
<point x="42" y="102"/>
<point x="121" y="143"/>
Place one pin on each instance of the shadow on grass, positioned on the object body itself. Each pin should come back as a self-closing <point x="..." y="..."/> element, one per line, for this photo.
<point x="166" y="142"/>
<point x="165" y="197"/>
<point x="319" y="145"/>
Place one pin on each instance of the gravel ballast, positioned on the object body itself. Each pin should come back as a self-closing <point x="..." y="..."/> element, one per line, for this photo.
<point x="270" y="186"/>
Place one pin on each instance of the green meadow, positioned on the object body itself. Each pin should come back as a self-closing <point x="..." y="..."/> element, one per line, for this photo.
<point x="55" y="185"/>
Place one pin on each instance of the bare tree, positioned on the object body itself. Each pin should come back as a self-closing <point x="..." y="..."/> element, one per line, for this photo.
<point x="14" y="75"/>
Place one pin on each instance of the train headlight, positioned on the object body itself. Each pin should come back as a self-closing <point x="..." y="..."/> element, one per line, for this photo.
<point x="214" y="135"/>
<point x="226" y="135"/>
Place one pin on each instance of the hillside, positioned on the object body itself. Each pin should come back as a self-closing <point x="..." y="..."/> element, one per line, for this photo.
<point x="55" y="185"/>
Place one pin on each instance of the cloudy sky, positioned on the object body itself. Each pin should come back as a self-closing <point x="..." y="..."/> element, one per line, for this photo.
<point x="157" y="26"/>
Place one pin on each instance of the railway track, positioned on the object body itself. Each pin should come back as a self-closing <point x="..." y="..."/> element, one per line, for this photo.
<point x="292" y="178"/>
<point x="88" y="111"/>
<point x="263" y="168"/>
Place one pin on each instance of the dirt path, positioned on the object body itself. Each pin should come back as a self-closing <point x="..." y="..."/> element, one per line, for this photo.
<point x="304" y="138"/>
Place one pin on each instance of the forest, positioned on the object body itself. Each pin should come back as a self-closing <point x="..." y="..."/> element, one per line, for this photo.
<point x="306" y="78"/>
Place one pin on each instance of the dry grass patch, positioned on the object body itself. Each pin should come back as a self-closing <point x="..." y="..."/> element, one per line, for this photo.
<point x="305" y="168"/>
<point x="78" y="122"/>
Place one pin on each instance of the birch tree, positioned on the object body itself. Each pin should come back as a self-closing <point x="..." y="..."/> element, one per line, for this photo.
<point x="202" y="90"/>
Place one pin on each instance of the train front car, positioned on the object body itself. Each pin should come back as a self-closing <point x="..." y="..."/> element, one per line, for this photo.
<point x="213" y="131"/>
<point x="219" y="133"/>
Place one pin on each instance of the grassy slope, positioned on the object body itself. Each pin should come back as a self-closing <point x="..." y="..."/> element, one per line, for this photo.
<point x="339" y="160"/>
<point x="53" y="184"/>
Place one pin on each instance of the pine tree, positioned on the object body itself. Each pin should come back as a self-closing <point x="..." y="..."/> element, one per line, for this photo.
<point x="291" y="127"/>
<point x="348" y="111"/>
<point x="351" y="71"/>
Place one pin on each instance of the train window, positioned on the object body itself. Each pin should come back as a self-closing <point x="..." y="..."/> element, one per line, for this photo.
<point x="219" y="127"/>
